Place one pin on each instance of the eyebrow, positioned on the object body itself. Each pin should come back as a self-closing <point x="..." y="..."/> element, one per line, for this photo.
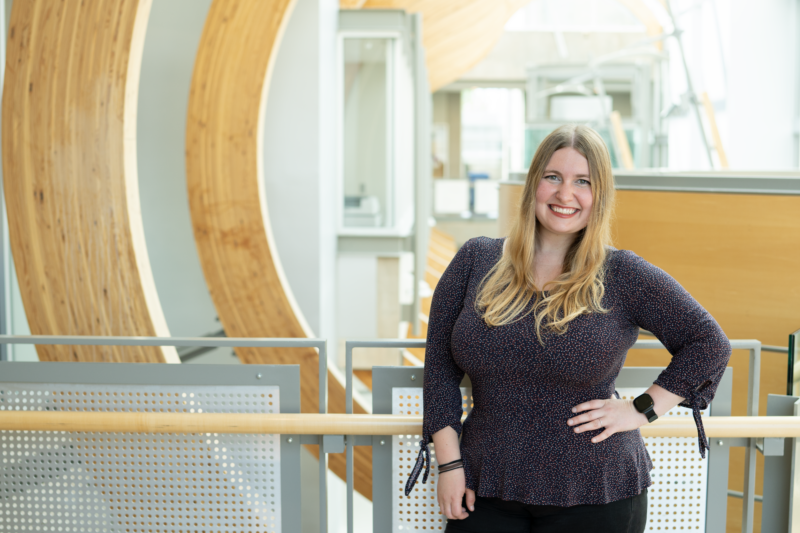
<point x="559" y="173"/>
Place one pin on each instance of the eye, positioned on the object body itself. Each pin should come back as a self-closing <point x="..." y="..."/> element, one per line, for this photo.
<point x="552" y="177"/>
<point x="583" y="181"/>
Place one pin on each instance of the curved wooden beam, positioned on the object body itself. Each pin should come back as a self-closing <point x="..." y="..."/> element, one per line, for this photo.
<point x="69" y="163"/>
<point x="456" y="34"/>
<point x="224" y="140"/>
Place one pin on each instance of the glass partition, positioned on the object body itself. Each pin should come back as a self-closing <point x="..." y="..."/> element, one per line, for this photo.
<point x="367" y="168"/>
<point x="793" y="379"/>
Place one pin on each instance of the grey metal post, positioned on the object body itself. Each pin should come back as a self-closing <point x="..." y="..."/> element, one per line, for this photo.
<point x="350" y="440"/>
<point x="719" y="460"/>
<point x="323" y="457"/>
<point x="776" y="511"/>
<point x="749" y="488"/>
<point x="794" y="487"/>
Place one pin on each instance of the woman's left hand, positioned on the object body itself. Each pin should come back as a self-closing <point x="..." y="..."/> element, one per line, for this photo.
<point x="613" y="415"/>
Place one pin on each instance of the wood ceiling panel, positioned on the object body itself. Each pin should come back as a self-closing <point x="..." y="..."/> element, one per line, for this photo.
<point x="224" y="140"/>
<point x="69" y="163"/>
<point x="458" y="34"/>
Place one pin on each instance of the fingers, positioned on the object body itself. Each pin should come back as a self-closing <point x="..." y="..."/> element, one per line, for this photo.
<point x="602" y="436"/>
<point x="447" y="509"/>
<point x="453" y="509"/>
<point x="589" y="426"/>
<point x="585" y="417"/>
<point x="588" y="406"/>
<point x="458" y="512"/>
<point x="470" y="499"/>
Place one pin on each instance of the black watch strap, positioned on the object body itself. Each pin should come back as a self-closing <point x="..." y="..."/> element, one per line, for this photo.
<point x="645" y="405"/>
<point x="650" y="413"/>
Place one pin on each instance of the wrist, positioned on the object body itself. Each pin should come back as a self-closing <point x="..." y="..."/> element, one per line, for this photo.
<point x="645" y="406"/>
<point x="452" y="465"/>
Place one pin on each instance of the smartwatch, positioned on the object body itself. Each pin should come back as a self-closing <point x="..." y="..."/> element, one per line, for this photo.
<point x="644" y="404"/>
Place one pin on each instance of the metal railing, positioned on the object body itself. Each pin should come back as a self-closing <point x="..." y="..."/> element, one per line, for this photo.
<point x="354" y="427"/>
<point x="208" y="342"/>
<point x="748" y="442"/>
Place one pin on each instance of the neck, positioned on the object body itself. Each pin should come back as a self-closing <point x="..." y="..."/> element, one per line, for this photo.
<point x="552" y="248"/>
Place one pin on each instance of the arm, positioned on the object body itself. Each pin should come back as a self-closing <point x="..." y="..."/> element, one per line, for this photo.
<point x="452" y="485"/>
<point x="442" y="407"/>
<point x="620" y="415"/>
<point x="700" y="350"/>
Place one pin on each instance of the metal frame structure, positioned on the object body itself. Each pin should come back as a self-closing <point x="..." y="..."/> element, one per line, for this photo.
<point x="776" y="512"/>
<point x="723" y="408"/>
<point x="225" y="378"/>
<point x="334" y="443"/>
<point x="223" y="374"/>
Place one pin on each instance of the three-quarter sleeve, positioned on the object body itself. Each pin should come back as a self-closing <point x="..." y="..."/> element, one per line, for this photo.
<point x="442" y="403"/>
<point x="700" y="350"/>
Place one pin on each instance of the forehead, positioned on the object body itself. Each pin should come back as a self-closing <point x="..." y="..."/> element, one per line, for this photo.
<point x="568" y="161"/>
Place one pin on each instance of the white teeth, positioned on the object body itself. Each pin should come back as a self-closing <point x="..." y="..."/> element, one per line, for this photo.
<point x="562" y="210"/>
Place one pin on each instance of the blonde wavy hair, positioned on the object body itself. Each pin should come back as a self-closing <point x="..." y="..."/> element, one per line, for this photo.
<point x="507" y="291"/>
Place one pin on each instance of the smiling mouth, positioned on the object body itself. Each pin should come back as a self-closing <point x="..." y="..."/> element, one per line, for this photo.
<point x="563" y="210"/>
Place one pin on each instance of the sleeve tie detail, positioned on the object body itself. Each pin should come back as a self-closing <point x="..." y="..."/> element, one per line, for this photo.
<point x="423" y="460"/>
<point x="702" y="441"/>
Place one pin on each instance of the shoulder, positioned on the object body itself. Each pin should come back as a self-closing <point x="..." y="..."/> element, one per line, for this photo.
<point x="634" y="273"/>
<point x="625" y="261"/>
<point x="484" y="245"/>
<point x="483" y="249"/>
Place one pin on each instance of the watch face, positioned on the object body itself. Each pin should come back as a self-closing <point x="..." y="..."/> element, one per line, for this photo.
<point x="643" y="402"/>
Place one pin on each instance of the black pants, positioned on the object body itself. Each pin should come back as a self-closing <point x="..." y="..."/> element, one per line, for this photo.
<point x="493" y="515"/>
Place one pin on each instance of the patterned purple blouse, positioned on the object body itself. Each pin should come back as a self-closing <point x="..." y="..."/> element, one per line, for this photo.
<point x="516" y="444"/>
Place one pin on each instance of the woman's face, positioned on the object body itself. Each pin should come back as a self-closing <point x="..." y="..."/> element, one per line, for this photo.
<point x="564" y="194"/>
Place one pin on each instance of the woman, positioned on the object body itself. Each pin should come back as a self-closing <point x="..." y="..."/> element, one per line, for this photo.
<point x="542" y="322"/>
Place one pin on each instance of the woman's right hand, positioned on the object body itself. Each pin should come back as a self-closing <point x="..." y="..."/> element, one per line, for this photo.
<point x="450" y="492"/>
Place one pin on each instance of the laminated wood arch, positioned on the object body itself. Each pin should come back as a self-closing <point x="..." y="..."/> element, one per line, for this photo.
<point x="458" y="34"/>
<point x="224" y="141"/>
<point x="69" y="165"/>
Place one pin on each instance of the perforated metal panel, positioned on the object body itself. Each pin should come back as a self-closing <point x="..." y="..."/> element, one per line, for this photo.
<point x="98" y="482"/>
<point x="676" y="500"/>
<point x="420" y="510"/>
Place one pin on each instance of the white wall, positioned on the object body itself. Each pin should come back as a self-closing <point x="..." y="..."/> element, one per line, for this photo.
<point x="170" y="46"/>
<point x="763" y="84"/>
<point x="300" y="159"/>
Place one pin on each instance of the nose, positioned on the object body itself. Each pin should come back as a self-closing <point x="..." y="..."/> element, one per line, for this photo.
<point x="564" y="193"/>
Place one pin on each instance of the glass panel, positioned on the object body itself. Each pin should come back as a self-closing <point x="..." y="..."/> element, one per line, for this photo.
<point x="367" y="174"/>
<point x="535" y="135"/>
<point x="794" y="364"/>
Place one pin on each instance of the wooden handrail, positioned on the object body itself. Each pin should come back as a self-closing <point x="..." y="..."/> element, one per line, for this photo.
<point x="338" y="424"/>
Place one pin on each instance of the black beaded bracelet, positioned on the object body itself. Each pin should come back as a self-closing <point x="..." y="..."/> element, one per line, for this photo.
<point x="453" y="465"/>
<point x="448" y="469"/>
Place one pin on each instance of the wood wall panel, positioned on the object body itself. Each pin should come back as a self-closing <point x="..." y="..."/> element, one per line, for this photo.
<point x="739" y="256"/>
<point x="69" y="163"/>
<point x="456" y="34"/>
<point x="224" y="141"/>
